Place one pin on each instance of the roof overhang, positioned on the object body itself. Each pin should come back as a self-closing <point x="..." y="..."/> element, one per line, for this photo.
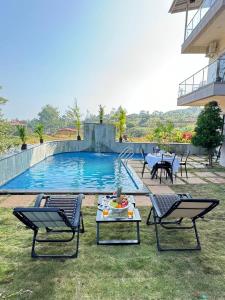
<point x="181" y="5"/>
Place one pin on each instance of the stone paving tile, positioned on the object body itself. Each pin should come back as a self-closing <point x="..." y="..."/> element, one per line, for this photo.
<point x="137" y="170"/>
<point x="162" y="189"/>
<point x="176" y="181"/>
<point x="3" y="197"/>
<point x="89" y="200"/>
<point x="197" y="158"/>
<point x="138" y="163"/>
<point x="195" y="180"/>
<point x="205" y="174"/>
<point x="184" y="175"/>
<point x="145" y="175"/>
<point x="151" y="181"/>
<point x="222" y="174"/>
<point x="198" y="166"/>
<point x="18" y="200"/>
<point x="142" y="201"/>
<point x="216" y="180"/>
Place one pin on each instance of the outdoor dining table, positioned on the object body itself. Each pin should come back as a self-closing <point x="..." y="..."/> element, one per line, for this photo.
<point x="153" y="159"/>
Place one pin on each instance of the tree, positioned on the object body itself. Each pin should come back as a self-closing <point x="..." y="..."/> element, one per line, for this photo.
<point x="74" y="115"/>
<point x="50" y="118"/>
<point x="2" y="101"/>
<point x="208" y="130"/>
<point x="163" y="133"/>
<point x="7" y="140"/>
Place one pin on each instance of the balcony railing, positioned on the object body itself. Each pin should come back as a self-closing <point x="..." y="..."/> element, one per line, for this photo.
<point x="201" y="12"/>
<point x="215" y="72"/>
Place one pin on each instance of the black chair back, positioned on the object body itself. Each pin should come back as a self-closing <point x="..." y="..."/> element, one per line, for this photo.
<point x="143" y="154"/>
<point x="186" y="157"/>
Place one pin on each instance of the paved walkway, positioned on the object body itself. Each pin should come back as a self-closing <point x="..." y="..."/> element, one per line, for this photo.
<point x="194" y="177"/>
<point x="28" y="200"/>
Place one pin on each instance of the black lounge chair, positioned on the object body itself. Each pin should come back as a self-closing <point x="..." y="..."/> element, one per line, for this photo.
<point x="60" y="214"/>
<point x="169" y="210"/>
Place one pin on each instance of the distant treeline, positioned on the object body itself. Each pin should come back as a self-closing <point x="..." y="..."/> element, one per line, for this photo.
<point x="137" y="125"/>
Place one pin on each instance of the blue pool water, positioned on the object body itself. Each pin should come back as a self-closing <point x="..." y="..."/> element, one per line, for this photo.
<point x="78" y="171"/>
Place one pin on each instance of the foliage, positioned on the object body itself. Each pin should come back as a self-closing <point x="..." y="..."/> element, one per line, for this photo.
<point x="50" y="118"/>
<point x="163" y="133"/>
<point x="101" y="113"/>
<point x="74" y="115"/>
<point x="121" y="122"/>
<point x="208" y="130"/>
<point x="187" y="136"/>
<point x="138" y="132"/>
<point x="139" y="125"/>
<point x="22" y="131"/>
<point x="2" y="100"/>
<point x="7" y="140"/>
<point x="39" y="130"/>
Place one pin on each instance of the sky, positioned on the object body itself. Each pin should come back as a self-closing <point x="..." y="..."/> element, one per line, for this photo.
<point x="109" y="52"/>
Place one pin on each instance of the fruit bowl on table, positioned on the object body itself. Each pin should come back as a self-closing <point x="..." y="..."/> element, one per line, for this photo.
<point x="117" y="207"/>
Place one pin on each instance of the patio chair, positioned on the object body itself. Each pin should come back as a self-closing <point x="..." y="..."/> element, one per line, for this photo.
<point x="144" y="161"/>
<point x="60" y="214"/>
<point x="163" y="165"/>
<point x="183" y="163"/>
<point x="168" y="211"/>
<point x="155" y="150"/>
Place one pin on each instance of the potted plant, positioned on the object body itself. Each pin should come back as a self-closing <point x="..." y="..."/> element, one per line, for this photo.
<point x="22" y="131"/>
<point x="121" y="124"/>
<point x="78" y="124"/>
<point x="101" y="113"/>
<point x="74" y="115"/>
<point x="39" y="130"/>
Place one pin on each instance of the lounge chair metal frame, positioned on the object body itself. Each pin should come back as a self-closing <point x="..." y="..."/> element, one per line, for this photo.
<point x="176" y="201"/>
<point x="72" y="222"/>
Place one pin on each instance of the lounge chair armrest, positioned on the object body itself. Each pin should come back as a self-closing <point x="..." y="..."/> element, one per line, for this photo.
<point x="38" y="200"/>
<point x="81" y="197"/>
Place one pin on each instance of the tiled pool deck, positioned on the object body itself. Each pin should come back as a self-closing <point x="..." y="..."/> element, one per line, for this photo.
<point x="196" y="176"/>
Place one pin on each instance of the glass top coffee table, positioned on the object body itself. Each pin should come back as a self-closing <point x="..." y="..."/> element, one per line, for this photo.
<point x="117" y="218"/>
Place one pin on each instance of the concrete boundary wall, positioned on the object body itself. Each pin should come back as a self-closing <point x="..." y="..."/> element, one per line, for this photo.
<point x="98" y="138"/>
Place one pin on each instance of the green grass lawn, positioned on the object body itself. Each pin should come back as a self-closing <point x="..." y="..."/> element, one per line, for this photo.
<point x="118" y="272"/>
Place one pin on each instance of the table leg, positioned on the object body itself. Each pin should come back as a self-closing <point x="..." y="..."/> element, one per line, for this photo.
<point x="97" y="234"/>
<point x="138" y="233"/>
<point x="117" y="241"/>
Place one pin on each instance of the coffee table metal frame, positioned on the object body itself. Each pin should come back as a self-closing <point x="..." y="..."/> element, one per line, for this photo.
<point x="116" y="219"/>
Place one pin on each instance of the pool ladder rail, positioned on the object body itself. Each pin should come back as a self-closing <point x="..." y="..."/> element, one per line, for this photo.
<point x="126" y="154"/>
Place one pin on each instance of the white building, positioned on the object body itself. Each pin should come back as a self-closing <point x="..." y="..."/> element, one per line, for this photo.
<point x="204" y="33"/>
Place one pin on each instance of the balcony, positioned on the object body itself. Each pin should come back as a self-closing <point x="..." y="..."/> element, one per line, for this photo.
<point x="207" y="25"/>
<point x="206" y="85"/>
<point x="201" y="12"/>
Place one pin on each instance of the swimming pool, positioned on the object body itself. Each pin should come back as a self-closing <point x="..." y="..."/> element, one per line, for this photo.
<point x="78" y="172"/>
